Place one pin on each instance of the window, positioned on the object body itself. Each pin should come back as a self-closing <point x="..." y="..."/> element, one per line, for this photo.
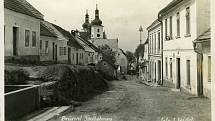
<point x="170" y="27"/>
<point x="188" y="20"/>
<point x="178" y="24"/>
<point x="73" y="56"/>
<point x="152" y="44"/>
<point x="155" y="42"/>
<point x="188" y="72"/>
<point x="27" y="38"/>
<point x="170" y="68"/>
<point x="64" y="51"/>
<point x="159" y="40"/>
<point x="4" y="34"/>
<point x="34" y="40"/>
<point x="209" y="68"/>
<point x="41" y="44"/>
<point x="46" y="46"/>
<point x="97" y="30"/>
<point x="165" y="29"/>
<point x="149" y="43"/>
<point x="98" y="35"/>
<point x="166" y="67"/>
<point x="61" y="51"/>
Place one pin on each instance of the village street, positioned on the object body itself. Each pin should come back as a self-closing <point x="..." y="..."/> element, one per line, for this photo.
<point x="131" y="100"/>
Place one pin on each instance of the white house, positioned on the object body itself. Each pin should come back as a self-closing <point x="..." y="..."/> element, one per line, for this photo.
<point x="182" y="22"/>
<point x="155" y="52"/>
<point x="122" y="61"/>
<point x="22" y="30"/>
<point x="144" y="62"/>
<point x="48" y="38"/>
<point x="89" y="51"/>
<point x="67" y="50"/>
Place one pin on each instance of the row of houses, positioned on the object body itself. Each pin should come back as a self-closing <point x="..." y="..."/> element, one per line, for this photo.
<point x="178" y="47"/>
<point x="28" y="36"/>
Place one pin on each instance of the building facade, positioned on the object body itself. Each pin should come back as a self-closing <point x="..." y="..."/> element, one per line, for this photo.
<point x="122" y="62"/>
<point x="47" y="47"/>
<point x="155" y="52"/>
<point x="144" y="63"/>
<point x="22" y="30"/>
<point x="182" y="22"/>
<point x="202" y="46"/>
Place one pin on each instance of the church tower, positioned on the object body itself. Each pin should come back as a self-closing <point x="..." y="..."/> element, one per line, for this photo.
<point x="87" y="26"/>
<point x="96" y="26"/>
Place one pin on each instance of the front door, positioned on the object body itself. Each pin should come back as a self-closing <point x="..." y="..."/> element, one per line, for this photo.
<point x="53" y="51"/>
<point x="69" y="55"/>
<point x="159" y="70"/>
<point x="155" y="73"/>
<point x="178" y="72"/>
<point x="15" y="36"/>
<point x="199" y="75"/>
<point x="77" y="58"/>
<point x="56" y="53"/>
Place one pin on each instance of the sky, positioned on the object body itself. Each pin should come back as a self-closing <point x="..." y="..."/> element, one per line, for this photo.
<point x="121" y="18"/>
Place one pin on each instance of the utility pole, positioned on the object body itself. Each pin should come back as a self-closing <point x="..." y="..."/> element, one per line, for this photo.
<point x="140" y="30"/>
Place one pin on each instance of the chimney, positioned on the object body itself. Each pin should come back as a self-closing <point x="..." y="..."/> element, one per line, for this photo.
<point x="73" y="32"/>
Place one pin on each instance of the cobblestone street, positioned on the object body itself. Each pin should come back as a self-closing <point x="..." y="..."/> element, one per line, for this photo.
<point x="132" y="101"/>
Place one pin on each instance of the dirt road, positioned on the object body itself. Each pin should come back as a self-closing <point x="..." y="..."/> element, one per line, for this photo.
<point x="132" y="101"/>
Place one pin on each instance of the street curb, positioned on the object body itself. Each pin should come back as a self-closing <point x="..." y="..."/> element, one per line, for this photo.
<point x="51" y="113"/>
<point x="148" y="84"/>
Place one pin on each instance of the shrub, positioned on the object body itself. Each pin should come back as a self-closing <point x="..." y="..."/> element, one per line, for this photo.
<point x="16" y="77"/>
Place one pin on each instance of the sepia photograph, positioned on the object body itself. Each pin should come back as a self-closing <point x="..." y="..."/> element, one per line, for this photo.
<point x="107" y="60"/>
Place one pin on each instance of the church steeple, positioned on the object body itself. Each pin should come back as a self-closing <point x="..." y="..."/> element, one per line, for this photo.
<point x="96" y="12"/>
<point x="87" y="16"/>
<point x="97" y="21"/>
<point x="86" y="25"/>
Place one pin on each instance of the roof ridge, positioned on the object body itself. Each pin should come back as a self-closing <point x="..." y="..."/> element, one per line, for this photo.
<point x="23" y="7"/>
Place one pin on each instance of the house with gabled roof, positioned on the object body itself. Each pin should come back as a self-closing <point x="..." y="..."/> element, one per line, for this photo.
<point x="92" y="53"/>
<point x="122" y="61"/>
<point x="47" y="44"/>
<point x="183" y="21"/>
<point x="22" y="30"/>
<point x="67" y="49"/>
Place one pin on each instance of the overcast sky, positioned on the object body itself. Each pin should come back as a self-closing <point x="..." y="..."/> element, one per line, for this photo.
<point x="121" y="18"/>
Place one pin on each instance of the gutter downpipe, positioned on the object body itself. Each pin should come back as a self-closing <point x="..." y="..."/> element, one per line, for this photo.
<point x="161" y="47"/>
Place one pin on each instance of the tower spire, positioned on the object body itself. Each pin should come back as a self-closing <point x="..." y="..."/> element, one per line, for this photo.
<point x="97" y="21"/>
<point x="86" y="24"/>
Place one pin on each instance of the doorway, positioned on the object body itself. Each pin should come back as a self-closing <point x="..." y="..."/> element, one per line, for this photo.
<point x="56" y="53"/>
<point x="155" y="72"/>
<point x="159" y="71"/>
<point x="199" y="74"/>
<point x="77" y="58"/>
<point x="69" y="55"/>
<point x="15" y="39"/>
<point x="178" y="72"/>
<point x="53" y="51"/>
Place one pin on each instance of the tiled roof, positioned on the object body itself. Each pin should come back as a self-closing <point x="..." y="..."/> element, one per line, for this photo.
<point x="70" y="37"/>
<point x="206" y="35"/>
<point x="156" y="22"/>
<point x="90" y="44"/>
<point x="22" y="6"/>
<point x="44" y="31"/>
<point x="169" y="6"/>
<point x="146" y="42"/>
<point x="85" y="35"/>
